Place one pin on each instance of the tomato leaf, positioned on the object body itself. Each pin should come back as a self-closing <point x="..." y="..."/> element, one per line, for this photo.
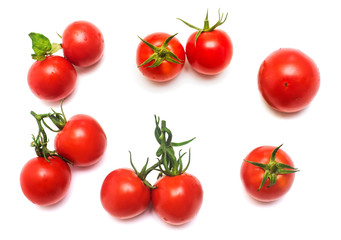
<point x="42" y="46"/>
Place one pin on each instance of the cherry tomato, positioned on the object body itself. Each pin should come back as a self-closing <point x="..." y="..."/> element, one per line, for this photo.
<point x="83" y="43"/>
<point x="124" y="195"/>
<point x="211" y="54"/>
<point x="288" y="80"/>
<point x="177" y="199"/>
<point x="82" y="141"/>
<point x="167" y="70"/>
<point x="43" y="182"/>
<point x="252" y="176"/>
<point x="52" y="79"/>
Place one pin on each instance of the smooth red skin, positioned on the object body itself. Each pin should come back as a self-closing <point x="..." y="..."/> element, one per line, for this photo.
<point x="83" y="43"/>
<point x="252" y="176"/>
<point x="166" y="70"/>
<point x="124" y="195"/>
<point x="82" y="141"/>
<point x="212" y="53"/>
<point x="178" y="199"/>
<point x="288" y="80"/>
<point x="52" y="79"/>
<point x="45" y="183"/>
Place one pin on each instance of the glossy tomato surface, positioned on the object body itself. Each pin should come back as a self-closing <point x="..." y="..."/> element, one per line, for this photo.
<point x="178" y="199"/>
<point x="124" y="195"/>
<point x="45" y="183"/>
<point x="83" y="43"/>
<point x="288" y="80"/>
<point x="252" y="176"/>
<point x="167" y="70"/>
<point x="212" y="53"/>
<point x="82" y="141"/>
<point x="52" y="79"/>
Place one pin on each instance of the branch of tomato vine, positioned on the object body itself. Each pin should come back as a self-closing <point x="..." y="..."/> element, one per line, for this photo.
<point x="40" y="141"/>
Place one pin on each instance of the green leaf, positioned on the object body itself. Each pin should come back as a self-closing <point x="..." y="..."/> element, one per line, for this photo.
<point x="41" y="45"/>
<point x="55" y="48"/>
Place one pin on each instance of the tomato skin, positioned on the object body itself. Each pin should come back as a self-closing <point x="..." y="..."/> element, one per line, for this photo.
<point x="82" y="141"/>
<point x="212" y="53"/>
<point x="288" y="80"/>
<point x="45" y="183"/>
<point x="52" y="79"/>
<point x="178" y="199"/>
<point x="83" y="43"/>
<point x="167" y="70"/>
<point x="252" y="175"/>
<point x="124" y="195"/>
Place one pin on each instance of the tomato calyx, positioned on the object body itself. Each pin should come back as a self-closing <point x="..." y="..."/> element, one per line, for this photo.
<point x="172" y="165"/>
<point x="144" y="172"/>
<point x="161" y="54"/>
<point x="273" y="168"/>
<point x="42" y="46"/>
<point x="206" y="27"/>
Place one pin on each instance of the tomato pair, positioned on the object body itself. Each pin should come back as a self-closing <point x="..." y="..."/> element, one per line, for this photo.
<point x="176" y="196"/>
<point x="53" y="78"/>
<point x="80" y="141"/>
<point x="160" y="57"/>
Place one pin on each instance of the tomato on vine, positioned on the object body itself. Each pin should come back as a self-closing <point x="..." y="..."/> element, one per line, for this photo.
<point x="50" y="78"/>
<point x="177" y="196"/>
<point x="160" y="57"/>
<point x="267" y="173"/>
<point x="45" y="179"/>
<point x="209" y="50"/>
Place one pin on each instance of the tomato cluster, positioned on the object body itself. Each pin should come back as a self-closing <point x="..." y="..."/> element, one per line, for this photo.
<point x="80" y="142"/>
<point x="288" y="80"/>
<point x="176" y="196"/>
<point x="53" y="78"/>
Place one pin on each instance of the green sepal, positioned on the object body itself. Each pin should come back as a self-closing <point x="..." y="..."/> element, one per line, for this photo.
<point x="160" y="54"/>
<point x="206" y="27"/>
<point x="42" y="46"/>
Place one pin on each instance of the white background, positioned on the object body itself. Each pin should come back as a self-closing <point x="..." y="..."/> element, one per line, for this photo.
<point x="226" y="113"/>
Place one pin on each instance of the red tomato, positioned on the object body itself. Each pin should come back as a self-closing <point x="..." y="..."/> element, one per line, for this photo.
<point x="212" y="53"/>
<point x="178" y="199"/>
<point x="82" y="141"/>
<point x="124" y="195"/>
<point x="252" y="175"/>
<point x="52" y="79"/>
<point x="83" y="43"/>
<point x="43" y="182"/>
<point x="166" y="70"/>
<point x="288" y="80"/>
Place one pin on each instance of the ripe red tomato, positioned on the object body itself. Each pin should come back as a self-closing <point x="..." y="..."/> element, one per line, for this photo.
<point x="124" y="195"/>
<point x="83" y="43"/>
<point x="52" y="79"/>
<point x="43" y="182"/>
<point x="178" y="199"/>
<point x="252" y="175"/>
<point x="82" y="141"/>
<point x="212" y="52"/>
<point x="288" y="80"/>
<point x="166" y="70"/>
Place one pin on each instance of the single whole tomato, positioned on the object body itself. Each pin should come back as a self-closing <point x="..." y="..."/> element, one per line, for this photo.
<point x="211" y="53"/>
<point x="83" y="43"/>
<point x="177" y="199"/>
<point x="45" y="183"/>
<point x="124" y="195"/>
<point x="209" y="50"/>
<point x="160" y="61"/>
<point x="288" y="80"/>
<point x="52" y="79"/>
<point x="267" y="173"/>
<point x="82" y="141"/>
